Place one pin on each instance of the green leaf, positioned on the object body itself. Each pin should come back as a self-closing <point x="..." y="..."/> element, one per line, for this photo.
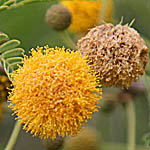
<point x="13" y="53"/>
<point x="14" y="59"/>
<point x="34" y="1"/>
<point x="9" y="2"/>
<point x="12" y="67"/>
<point x="3" y="37"/>
<point x="4" y="4"/>
<point x="5" y="68"/>
<point x="3" y="8"/>
<point x="9" y="45"/>
<point x="10" y="56"/>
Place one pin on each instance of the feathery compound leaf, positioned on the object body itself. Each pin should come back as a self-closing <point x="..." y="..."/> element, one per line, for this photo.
<point x="9" y="45"/>
<point x="13" y="53"/>
<point x="14" y="60"/>
<point x="3" y="8"/>
<point x="9" y="2"/>
<point x="12" y="66"/>
<point x="10" y="55"/>
<point x="3" y="38"/>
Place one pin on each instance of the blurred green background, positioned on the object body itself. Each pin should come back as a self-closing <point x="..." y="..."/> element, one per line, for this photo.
<point x="27" y="24"/>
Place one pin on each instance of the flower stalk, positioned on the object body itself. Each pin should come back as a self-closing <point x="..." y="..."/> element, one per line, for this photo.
<point x="104" y="11"/>
<point x="13" y="137"/>
<point x="68" y="41"/>
<point x="131" y="116"/>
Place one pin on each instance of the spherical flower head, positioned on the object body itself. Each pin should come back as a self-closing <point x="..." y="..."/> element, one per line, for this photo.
<point x="118" y="52"/>
<point x="86" y="14"/>
<point x="58" y="17"/>
<point x="54" y="92"/>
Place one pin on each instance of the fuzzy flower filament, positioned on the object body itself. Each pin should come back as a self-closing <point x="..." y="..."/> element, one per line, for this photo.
<point x="53" y="92"/>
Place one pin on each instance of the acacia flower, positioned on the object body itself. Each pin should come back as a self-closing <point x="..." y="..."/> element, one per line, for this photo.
<point x="119" y="53"/>
<point x="54" y="92"/>
<point x="86" y="14"/>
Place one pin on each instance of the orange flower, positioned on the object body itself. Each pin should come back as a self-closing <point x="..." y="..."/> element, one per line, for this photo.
<point x="54" y="92"/>
<point x="86" y="14"/>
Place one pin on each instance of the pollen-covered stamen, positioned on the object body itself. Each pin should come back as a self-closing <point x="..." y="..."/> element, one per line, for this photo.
<point x="53" y="92"/>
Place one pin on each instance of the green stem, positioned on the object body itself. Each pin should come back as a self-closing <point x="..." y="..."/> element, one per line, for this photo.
<point x="104" y="10"/>
<point x="13" y="137"/>
<point x="28" y="2"/>
<point x="68" y="40"/>
<point x="131" y="115"/>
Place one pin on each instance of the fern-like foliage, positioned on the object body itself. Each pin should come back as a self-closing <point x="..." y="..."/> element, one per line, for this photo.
<point x="10" y="54"/>
<point x="9" y="4"/>
<point x="4" y="4"/>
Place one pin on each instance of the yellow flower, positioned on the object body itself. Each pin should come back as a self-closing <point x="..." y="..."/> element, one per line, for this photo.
<point x="86" y="14"/>
<point x="54" y="92"/>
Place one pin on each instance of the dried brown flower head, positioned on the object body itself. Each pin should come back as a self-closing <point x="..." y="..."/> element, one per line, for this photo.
<point x="58" y="17"/>
<point x="118" y="52"/>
